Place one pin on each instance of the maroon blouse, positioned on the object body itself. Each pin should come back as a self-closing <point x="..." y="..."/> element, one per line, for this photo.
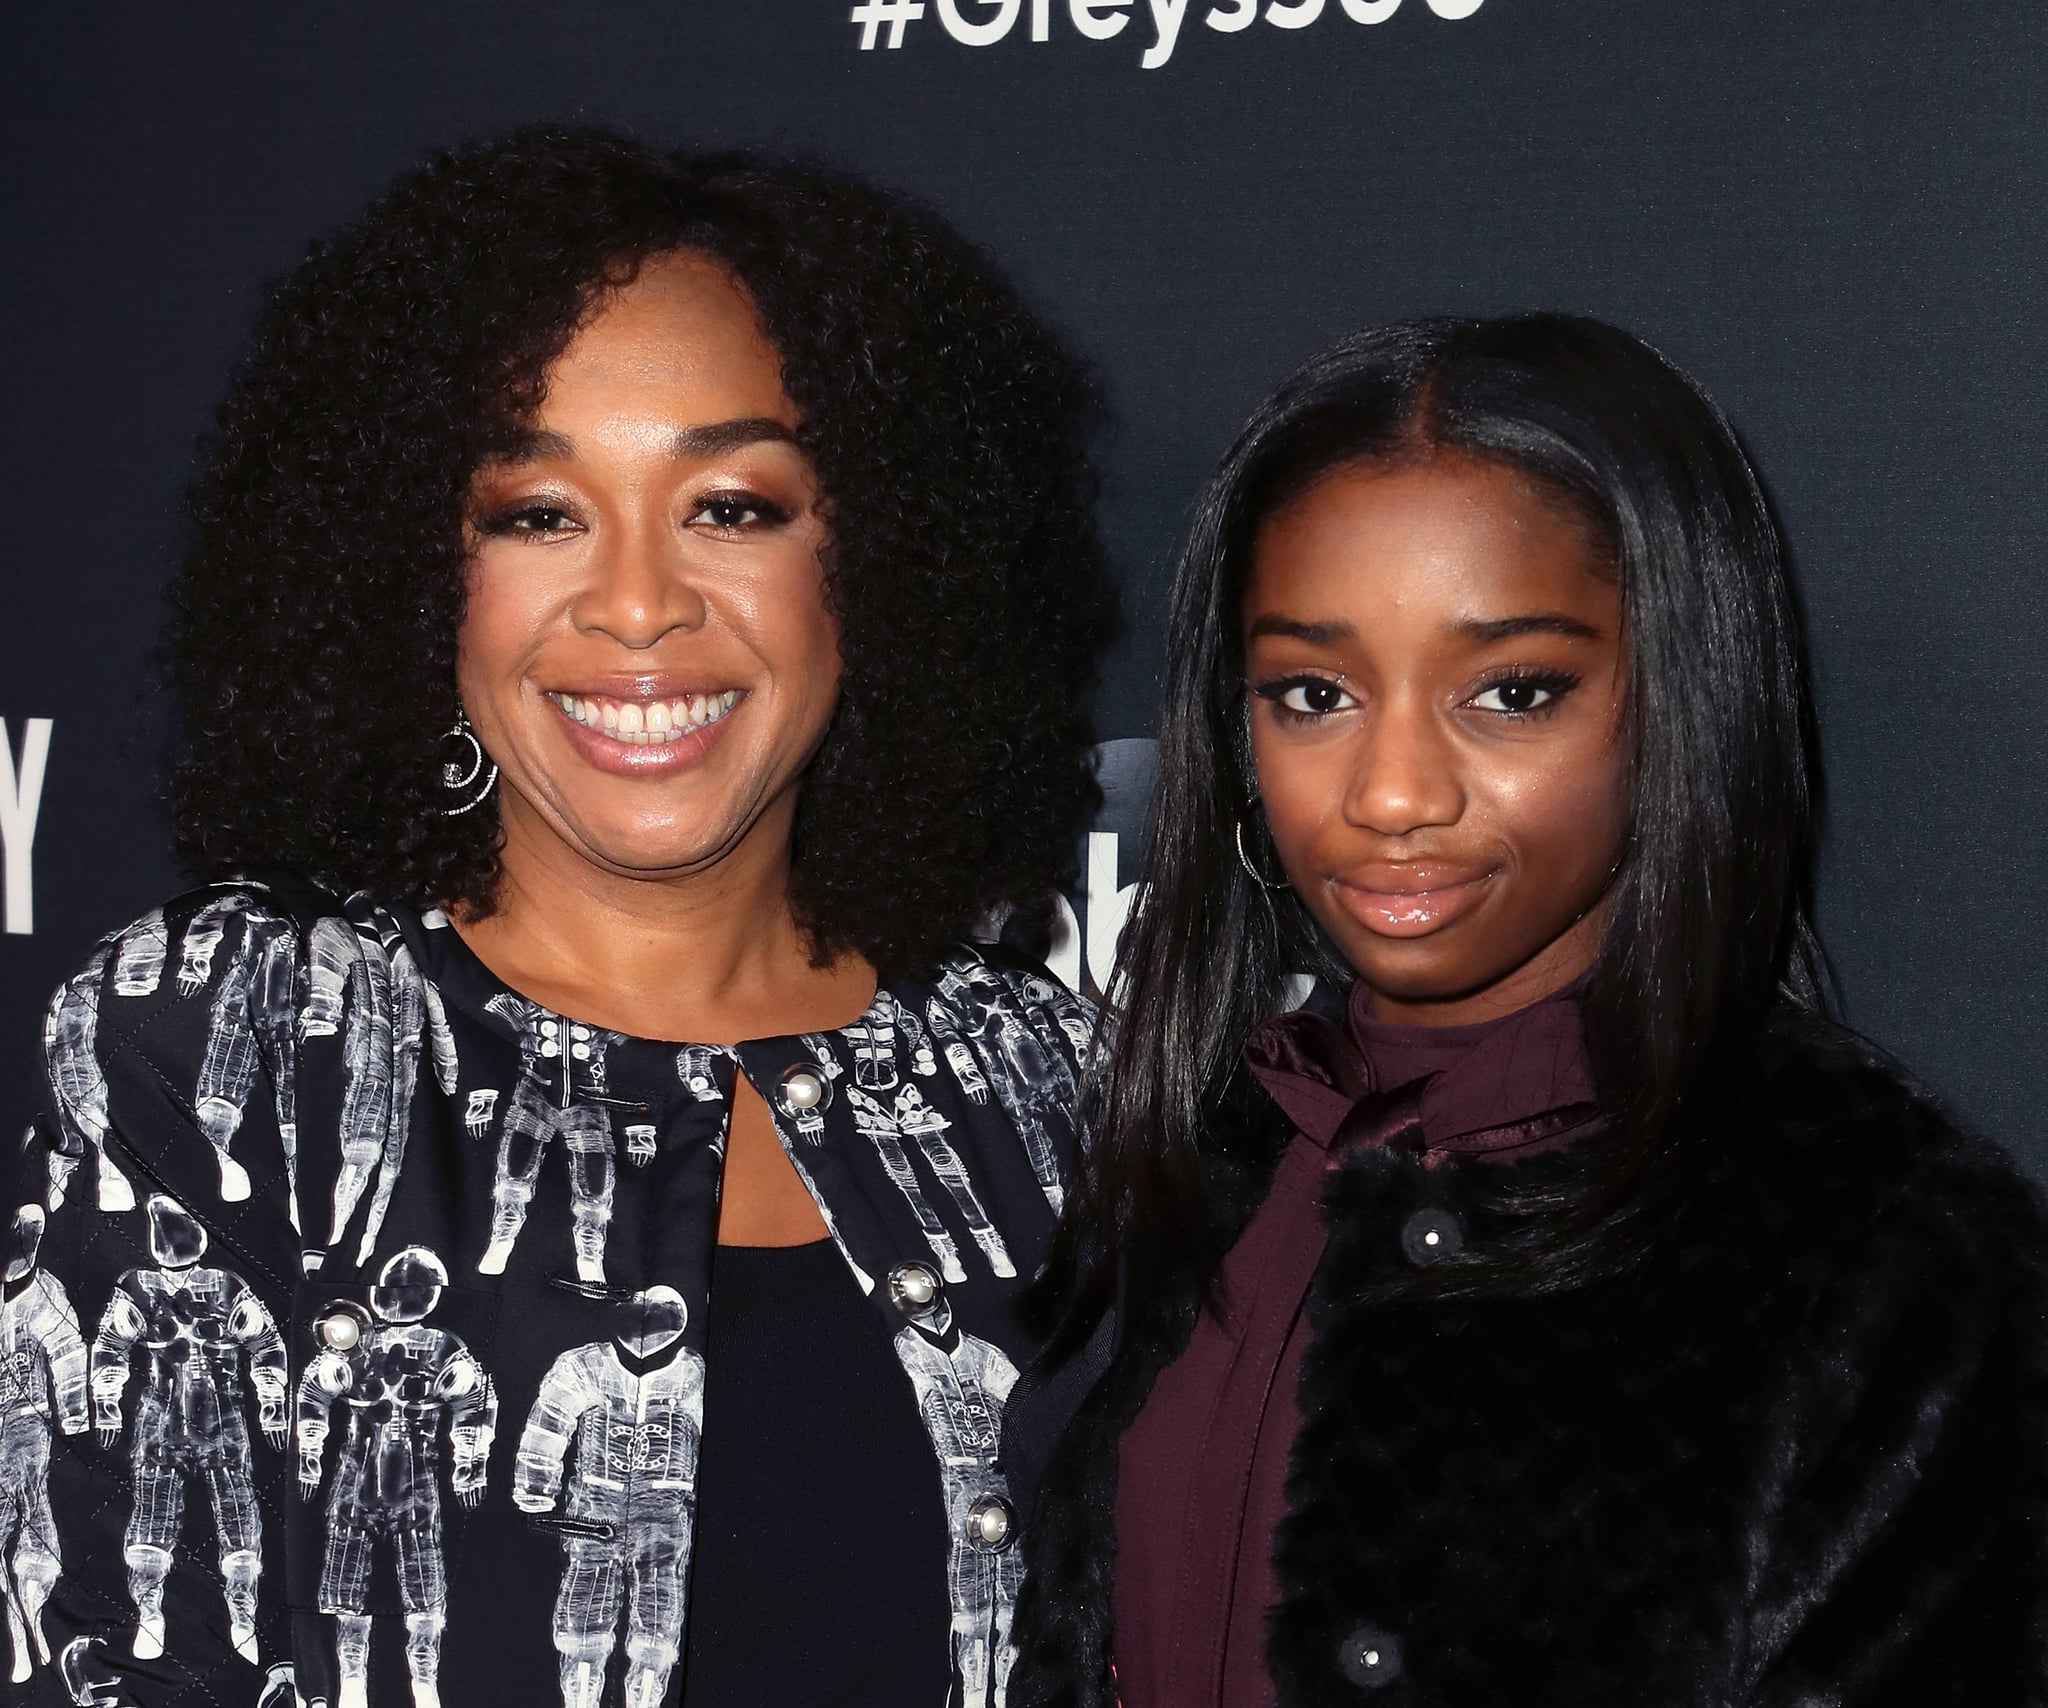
<point x="1202" y="1470"/>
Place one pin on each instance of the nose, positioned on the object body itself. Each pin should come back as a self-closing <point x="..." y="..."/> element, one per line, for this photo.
<point x="638" y="587"/>
<point x="1405" y="774"/>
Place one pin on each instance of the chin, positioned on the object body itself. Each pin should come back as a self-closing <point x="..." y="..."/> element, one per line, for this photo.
<point x="648" y="856"/>
<point x="1415" y="967"/>
<point x="1419" y="975"/>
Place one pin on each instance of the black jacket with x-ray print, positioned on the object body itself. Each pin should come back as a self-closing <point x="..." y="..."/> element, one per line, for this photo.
<point x="355" y="1305"/>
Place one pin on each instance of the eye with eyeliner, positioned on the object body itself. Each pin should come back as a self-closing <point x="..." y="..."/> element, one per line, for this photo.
<point x="738" y="511"/>
<point x="1304" y="698"/>
<point x="1524" y="694"/>
<point x="733" y="512"/>
<point x="530" y="518"/>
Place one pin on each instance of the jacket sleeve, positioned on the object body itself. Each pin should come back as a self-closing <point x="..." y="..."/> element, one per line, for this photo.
<point x="1900" y="1548"/>
<point x="151" y="1211"/>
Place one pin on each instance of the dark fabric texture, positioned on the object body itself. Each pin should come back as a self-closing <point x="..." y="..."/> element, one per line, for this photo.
<point x="811" y="1437"/>
<point x="1798" y="1455"/>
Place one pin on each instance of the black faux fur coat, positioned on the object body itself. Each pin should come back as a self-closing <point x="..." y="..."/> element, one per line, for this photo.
<point x="1799" y="1455"/>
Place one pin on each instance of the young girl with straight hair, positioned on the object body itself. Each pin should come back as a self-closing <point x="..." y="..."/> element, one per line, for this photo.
<point x="1565" y="1308"/>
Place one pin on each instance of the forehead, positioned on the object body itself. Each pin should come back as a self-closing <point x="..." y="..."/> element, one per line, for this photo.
<point x="683" y="337"/>
<point x="1448" y="538"/>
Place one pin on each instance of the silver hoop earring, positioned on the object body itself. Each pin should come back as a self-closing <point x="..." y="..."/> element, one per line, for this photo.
<point x="460" y="776"/>
<point x="1245" y="860"/>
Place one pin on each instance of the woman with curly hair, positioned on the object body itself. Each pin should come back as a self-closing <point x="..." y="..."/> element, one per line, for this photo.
<point x="1562" y="1311"/>
<point x="566" y="1168"/>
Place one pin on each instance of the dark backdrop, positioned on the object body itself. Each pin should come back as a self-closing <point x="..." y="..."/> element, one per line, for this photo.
<point x="1829" y="210"/>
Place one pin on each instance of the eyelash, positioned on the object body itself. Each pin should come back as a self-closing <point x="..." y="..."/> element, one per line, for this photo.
<point x="538" y="518"/>
<point x="1275" y="693"/>
<point x="524" y="517"/>
<point x="766" y="512"/>
<point x="1556" y="684"/>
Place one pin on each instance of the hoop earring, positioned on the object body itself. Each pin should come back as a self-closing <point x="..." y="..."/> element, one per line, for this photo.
<point x="1245" y="860"/>
<point x="459" y="776"/>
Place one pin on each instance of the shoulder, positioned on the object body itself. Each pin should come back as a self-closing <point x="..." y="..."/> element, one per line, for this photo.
<point x="194" y="942"/>
<point x="215" y="961"/>
<point x="170" y="1030"/>
<point x="210" y="945"/>
<point x="1834" y="1170"/>
<point x="1826" y="1111"/>
<point x="973" y="977"/>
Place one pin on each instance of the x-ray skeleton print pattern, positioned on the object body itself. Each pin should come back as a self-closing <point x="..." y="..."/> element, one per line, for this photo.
<point x="1023" y="1054"/>
<point x="42" y="1389"/>
<point x="962" y="1382"/>
<point x="208" y="1345"/>
<point x="558" y="1100"/>
<point x="310" y="1196"/>
<point x="405" y="1387"/>
<point x="631" y="1410"/>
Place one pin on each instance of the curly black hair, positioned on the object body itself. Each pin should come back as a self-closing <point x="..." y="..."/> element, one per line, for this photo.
<point x="313" y="638"/>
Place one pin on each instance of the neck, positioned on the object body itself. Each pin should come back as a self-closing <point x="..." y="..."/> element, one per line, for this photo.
<point x="714" y="954"/>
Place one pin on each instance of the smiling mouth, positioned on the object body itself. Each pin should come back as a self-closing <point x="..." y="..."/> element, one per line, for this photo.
<point x="647" y="723"/>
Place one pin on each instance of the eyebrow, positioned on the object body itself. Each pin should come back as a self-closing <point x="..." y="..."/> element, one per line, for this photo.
<point x="711" y="440"/>
<point x="1535" y="623"/>
<point x="1293" y="628"/>
<point x="1330" y="632"/>
<point x="718" y="436"/>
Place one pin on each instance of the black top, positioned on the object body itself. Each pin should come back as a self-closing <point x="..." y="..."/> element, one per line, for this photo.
<point x="820" y="1560"/>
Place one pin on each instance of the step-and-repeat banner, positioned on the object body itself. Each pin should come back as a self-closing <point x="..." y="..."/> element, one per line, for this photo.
<point x="1831" y="211"/>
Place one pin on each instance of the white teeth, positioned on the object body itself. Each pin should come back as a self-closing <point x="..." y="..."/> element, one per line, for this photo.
<point x="650" y="723"/>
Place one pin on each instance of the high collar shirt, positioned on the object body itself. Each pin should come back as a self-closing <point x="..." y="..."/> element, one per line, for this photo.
<point x="1203" y="1468"/>
<point x="360" y="1305"/>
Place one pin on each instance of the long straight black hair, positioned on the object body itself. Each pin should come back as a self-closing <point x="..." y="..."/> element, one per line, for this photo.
<point x="1709" y="922"/>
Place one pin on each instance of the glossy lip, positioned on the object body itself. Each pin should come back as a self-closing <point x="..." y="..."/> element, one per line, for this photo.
<point x="629" y="759"/>
<point x="1392" y="899"/>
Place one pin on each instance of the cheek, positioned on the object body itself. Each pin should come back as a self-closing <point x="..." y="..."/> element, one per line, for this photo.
<point x="500" y="619"/>
<point x="1301" y="786"/>
<point x="819" y="647"/>
<point x="1565" y="812"/>
<point x="798" y="634"/>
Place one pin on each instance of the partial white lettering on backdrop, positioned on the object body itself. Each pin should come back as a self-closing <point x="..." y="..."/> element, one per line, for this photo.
<point x="21" y="799"/>
<point x="983" y="23"/>
<point x="1107" y="910"/>
<point x="1105" y="907"/>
